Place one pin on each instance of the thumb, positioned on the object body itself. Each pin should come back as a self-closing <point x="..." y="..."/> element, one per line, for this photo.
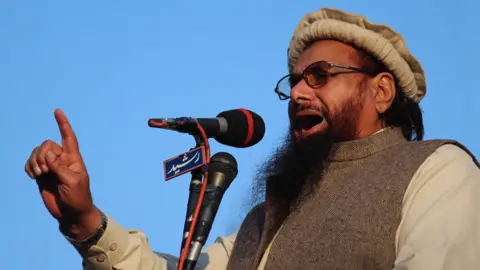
<point x="56" y="165"/>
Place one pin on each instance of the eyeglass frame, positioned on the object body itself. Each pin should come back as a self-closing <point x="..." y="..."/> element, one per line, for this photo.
<point x="283" y="96"/>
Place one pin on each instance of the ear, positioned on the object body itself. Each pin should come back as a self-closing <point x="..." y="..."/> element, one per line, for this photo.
<point x="384" y="91"/>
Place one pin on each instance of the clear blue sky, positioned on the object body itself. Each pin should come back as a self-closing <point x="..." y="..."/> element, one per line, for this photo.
<point x="111" y="65"/>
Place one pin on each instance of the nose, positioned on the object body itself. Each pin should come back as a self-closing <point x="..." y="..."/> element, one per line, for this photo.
<point x="302" y="93"/>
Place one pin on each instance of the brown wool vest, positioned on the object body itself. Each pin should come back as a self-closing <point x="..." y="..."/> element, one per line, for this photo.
<point x="350" y="222"/>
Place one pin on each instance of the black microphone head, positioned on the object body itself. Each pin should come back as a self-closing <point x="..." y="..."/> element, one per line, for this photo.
<point x="245" y="128"/>
<point x="225" y="164"/>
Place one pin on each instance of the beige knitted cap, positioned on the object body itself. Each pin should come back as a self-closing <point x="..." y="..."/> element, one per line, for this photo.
<point x="381" y="41"/>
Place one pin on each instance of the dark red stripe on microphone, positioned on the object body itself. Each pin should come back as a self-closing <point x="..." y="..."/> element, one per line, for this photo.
<point x="249" y="117"/>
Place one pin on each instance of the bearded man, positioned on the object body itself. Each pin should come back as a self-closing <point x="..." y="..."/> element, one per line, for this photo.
<point x="354" y="186"/>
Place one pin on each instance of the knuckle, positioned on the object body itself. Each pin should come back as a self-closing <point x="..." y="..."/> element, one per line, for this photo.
<point x="45" y="147"/>
<point x="51" y="145"/>
<point x="32" y="161"/>
<point x="47" y="144"/>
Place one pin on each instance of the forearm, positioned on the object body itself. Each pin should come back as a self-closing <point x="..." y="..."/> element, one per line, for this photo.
<point x="132" y="254"/>
<point x="119" y="248"/>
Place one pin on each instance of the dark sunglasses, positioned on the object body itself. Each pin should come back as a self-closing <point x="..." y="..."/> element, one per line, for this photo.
<point x="316" y="75"/>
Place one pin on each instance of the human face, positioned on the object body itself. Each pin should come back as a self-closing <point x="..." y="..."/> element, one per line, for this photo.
<point x="334" y="108"/>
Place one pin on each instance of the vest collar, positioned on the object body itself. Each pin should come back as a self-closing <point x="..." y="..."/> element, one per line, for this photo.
<point x="358" y="149"/>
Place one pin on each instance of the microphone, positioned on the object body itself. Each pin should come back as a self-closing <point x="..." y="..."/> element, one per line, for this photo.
<point x="238" y="128"/>
<point x="195" y="187"/>
<point x="221" y="172"/>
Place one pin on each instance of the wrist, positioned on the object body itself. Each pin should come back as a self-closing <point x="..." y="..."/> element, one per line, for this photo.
<point x="84" y="238"/>
<point x="83" y="225"/>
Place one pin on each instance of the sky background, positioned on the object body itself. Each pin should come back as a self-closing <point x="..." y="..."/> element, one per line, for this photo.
<point x="111" y="65"/>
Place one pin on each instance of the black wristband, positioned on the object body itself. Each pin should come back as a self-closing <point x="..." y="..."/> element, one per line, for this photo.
<point x="92" y="239"/>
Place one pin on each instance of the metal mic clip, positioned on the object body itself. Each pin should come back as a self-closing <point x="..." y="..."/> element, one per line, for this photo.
<point x="171" y="123"/>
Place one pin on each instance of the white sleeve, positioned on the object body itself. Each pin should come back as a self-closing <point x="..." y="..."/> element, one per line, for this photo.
<point x="440" y="227"/>
<point x="120" y="248"/>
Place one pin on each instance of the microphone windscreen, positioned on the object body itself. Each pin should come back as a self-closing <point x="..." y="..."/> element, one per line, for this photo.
<point x="226" y="164"/>
<point x="245" y="128"/>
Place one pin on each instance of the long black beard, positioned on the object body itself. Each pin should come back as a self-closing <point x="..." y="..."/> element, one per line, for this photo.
<point x="295" y="169"/>
<point x="291" y="173"/>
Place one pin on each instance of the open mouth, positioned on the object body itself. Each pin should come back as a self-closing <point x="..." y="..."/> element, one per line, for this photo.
<point x="306" y="122"/>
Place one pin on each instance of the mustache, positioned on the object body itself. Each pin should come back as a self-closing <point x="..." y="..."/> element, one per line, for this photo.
<point x="306" y="106"/>
<point x="322" y="110"/>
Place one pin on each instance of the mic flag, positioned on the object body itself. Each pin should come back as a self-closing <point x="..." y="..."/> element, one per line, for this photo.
<point x="184" y="163"/>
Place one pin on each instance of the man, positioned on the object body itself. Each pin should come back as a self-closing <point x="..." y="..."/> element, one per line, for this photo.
<point x="353" y="187"/>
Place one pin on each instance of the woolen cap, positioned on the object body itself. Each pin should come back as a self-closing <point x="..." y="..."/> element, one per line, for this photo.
<point x="379" y="40"/>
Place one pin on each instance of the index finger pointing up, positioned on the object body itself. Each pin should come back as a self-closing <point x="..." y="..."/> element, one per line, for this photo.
<point x="69" y="140"/>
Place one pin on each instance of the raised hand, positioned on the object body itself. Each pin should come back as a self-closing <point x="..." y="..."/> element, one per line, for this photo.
<point x="63" y="181"/>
